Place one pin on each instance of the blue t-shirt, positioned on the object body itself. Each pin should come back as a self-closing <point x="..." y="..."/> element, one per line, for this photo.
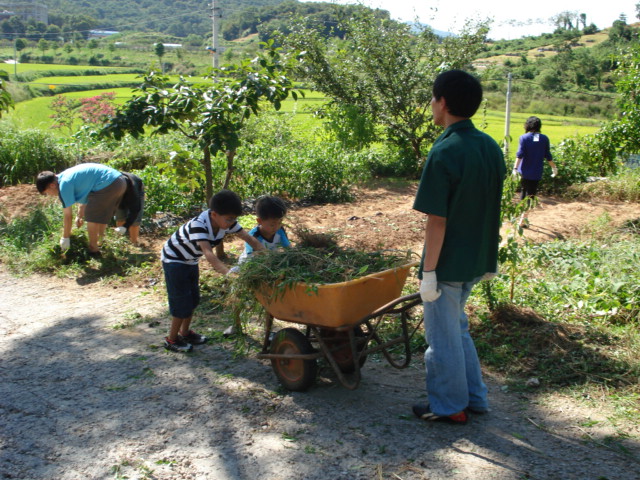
<point x="279" y="240"/>
<point x="76" y="183"/>
<point x="534" y="148"/>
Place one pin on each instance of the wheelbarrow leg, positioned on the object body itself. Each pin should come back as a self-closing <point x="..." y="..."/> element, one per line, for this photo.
<point x="268" y="324"/>
<point x="404" y="338"/>
<point x="355" y="377"/>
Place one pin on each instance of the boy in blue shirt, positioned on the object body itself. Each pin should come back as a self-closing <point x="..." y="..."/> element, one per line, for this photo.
<point x="98" y="190"/>
<point x="180" y="256"/>
<point x="270" y="212"/>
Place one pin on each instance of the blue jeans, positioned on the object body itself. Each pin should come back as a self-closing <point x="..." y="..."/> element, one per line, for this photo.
<point x="454" y="378"/>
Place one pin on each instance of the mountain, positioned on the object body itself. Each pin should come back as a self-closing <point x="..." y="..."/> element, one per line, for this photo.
<point x="173" y="17"/>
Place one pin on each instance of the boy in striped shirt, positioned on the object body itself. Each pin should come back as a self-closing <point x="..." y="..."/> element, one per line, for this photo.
<point x="180" y="256"/>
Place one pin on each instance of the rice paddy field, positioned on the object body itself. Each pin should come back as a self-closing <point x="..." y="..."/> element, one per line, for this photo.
<point x="35" y="113"/>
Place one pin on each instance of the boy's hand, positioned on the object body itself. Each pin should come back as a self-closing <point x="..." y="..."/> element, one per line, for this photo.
<point x="79" y="221"/>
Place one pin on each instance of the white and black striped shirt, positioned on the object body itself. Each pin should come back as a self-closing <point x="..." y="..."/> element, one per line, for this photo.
<point x="182" y="246"/>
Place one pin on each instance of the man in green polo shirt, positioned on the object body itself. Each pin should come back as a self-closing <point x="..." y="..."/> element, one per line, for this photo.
<point x="460" y="191"/>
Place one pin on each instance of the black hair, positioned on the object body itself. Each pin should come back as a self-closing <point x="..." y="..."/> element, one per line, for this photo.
<point x="43" y="180"/>
<point x="269" y="207"/>
<point x="461" y="90"/>
<point x="533" y="124"/>
<point x="226" y="202"/>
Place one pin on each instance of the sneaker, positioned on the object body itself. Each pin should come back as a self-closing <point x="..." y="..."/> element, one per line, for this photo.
<point x="179" y="345"/>
<point x="424" y="412"/>
<point x="194" y="338"/>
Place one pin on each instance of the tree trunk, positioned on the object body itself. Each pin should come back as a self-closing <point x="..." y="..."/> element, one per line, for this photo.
<point x="220" y="253"/>
<point x="230" y="168"/>
<point x="206" y="161"/>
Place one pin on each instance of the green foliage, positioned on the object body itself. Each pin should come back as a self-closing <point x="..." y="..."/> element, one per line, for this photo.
<point x="317" y="172"/>
<point x="584" y="281"/>
<point x="384" y="72"/>
<point x="509" y="256"/>
<point x="622" y="187"/>
<point x="347" y="125"/>
<point x="29" y="244"/>
<point x="25" y="233"/>
<point x="64" y="112"/>
<point x="164" y="194"/>
<point x="6" y="102"/>
<point x="211" y="116"/>
<point x="25" y="153"/>
<point x="283" y="269"/>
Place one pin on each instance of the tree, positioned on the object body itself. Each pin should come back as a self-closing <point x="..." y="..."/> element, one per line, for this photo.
<point x="20" y="44"/>
<point x="620" y="31"/>
<point x="6" y="102"/>
<point x="43" y="45"/>
<point x="159" y="51"/>
<point x="211" y="116"/>
<point x="627" y="128"/>
<point x="385" y="70"/>
<point x="64" y="112"/>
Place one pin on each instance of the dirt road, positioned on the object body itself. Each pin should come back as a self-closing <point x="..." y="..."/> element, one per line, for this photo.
<point x="80" y="399"/>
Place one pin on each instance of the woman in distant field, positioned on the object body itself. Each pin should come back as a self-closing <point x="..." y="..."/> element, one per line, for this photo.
<point x="533" y="149"/>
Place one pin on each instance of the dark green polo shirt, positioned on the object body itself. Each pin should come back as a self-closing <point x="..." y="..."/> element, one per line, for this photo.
<point x="462" y="181"/>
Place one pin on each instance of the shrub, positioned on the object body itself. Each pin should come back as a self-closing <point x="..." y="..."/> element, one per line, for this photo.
<point x="164" y="194"/>
<point x="317" y="172"/>
<point x="23" y="154"/>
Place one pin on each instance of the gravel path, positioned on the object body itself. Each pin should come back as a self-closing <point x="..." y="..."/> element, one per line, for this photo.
<point x="82" y="400"/>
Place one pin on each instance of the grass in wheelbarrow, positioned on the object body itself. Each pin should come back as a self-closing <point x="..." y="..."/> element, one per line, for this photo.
<point x="284" y="269"/>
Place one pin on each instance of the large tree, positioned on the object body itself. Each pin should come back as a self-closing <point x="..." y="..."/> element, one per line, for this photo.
<point x="212" y="115"/>
<point x="385" y="70"/>
<point x="6" y="101"/>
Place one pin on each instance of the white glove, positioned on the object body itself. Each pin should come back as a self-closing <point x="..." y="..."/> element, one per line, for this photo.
<point x="120" y="230"/>
<point x="429" y="287"/>
<point x="65" y="243"/>
<point x="514" y="172"/>
<point x="489" y="276"/>
<point x="554" y="171"/>
<point x="233" y="270"/>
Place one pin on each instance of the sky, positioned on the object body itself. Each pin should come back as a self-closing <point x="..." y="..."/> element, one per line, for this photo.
<point x="511" y="19"/>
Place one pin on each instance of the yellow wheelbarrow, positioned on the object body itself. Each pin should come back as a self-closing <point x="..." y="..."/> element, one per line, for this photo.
<point x="345" y="322"/>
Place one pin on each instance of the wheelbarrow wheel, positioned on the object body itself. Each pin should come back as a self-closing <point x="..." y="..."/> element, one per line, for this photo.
<point x="294" y="374"/>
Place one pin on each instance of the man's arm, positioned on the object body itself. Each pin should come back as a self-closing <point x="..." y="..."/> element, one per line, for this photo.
<point x="251" y="240"/>
<point x="67" y="219"/>
<point x="433" y="240"/>
<point x="214" y="261"/>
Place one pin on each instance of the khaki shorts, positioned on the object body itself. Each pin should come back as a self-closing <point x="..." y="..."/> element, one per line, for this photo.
<point x="102" y="204"/>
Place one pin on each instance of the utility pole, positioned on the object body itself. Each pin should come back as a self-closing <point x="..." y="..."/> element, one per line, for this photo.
<point x="215" y="16"/>
<point x="507" y="118"/>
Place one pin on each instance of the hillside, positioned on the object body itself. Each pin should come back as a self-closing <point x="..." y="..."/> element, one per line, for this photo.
<point x="179" y="18"/>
